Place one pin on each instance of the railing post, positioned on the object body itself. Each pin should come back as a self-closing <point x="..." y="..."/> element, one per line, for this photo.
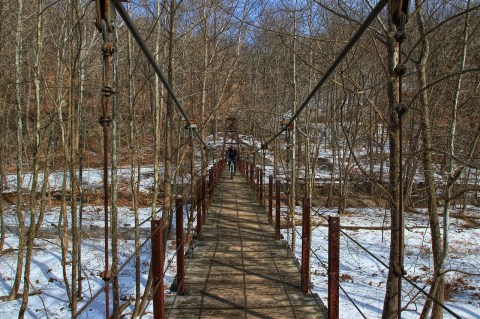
<point x="251" y="174"/>
<point x="270" y="199"/>
<point x="261" y="187"/>
<point x="254" y="180"/>
<point x="157" y="269"/>
<point x="204" y="195"/>
<point x="333" y="266"/>
<point x="180" y="246"/>
<point x="199" y="209"/>
<point x="257" y="181"/>
<point x="305" y="245"/>
<point x="277" y="210"/>
<point x="210" y="186"/>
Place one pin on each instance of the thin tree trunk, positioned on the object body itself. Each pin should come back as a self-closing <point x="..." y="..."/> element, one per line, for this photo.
<point x="156" y="115"/>
<point x="114" y="189"/>
<point x="430" y="188"/>
<point x="81" y="146"/>
<point x="36" y="148"/>
<point x="203" y="98"/>
<point x="19" y="161"/>
<point x="293" y="193"/>
<point x="73" y="148"/>
<point x="64" y="137"/>
<point x="135" y="171"/>
<point x="391" y="306"/>
<point x="169" y="121"/>
<point x="453" y="128"/>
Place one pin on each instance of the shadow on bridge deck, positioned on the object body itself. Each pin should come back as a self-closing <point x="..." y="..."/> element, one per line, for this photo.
<point x="238" y="270"/>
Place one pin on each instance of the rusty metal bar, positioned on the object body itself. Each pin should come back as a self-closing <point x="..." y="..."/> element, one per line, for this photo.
<point x="251" y="174"/>
<point x="204" y="195"/>
<point x="306" y="228"/>
<point x="261" y="187"/>
<point x="277" y="210"/>
<point x="199" y="209"/>
<point x="257" y="181"/>
<point x="270" y="199"/>
<point x="180" y="246"/>
<point x="210" y="186"/>
<point x="333" y="266"/>
<point x="157" y="269"/>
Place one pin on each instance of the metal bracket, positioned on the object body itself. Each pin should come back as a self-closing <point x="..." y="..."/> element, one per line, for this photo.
<point x="106" y="275"/>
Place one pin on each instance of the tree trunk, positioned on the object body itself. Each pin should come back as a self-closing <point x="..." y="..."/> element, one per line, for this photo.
<point x="114" y="189"/>
<point x="19" y="162"/>
<point x="391" y="305"/>
<point x="75" y="43"/>
<point x="293" y="176"/>
<point x="430" y="189"/>
<point x="135" y="171"/>
<point x="169" y="128"/>
<point x="36" y="149"/>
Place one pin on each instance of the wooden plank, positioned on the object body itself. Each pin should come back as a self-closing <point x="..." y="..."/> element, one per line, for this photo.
<point x="238" y="270"/>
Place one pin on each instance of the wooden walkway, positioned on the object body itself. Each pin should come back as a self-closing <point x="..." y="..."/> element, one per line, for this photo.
<point x="238" y="270"/>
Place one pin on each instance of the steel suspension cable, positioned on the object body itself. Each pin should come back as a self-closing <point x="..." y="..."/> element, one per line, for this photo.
<point x="386" y="266"/>
<point x="363" y="27"/>
<point x="352" y="301"/>
<point x="105" y="286"/>
<point x="420" y="289"/>
<point x="143" y="46"/>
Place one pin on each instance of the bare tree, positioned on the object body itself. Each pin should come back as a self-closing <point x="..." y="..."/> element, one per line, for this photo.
<point x="36" y="149"/>
<point x="19" y="159"/>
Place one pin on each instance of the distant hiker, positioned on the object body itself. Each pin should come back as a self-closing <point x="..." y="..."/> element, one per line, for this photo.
<point x="232" y="157"/>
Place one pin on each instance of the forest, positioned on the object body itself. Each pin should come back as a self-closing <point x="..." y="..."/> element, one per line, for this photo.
<point x="395" y="126"/>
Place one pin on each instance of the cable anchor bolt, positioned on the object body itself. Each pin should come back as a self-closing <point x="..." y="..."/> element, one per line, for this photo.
<point x="401" y="109"/>
<point x="400" y="69"/>
<point x="102" y="120"/>
<point x="106" y="275"/>
<point x="108" y="90"/>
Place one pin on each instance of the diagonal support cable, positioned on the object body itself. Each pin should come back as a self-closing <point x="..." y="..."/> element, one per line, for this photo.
<point x="363" y="27"/>
<point x="143" y="46"/>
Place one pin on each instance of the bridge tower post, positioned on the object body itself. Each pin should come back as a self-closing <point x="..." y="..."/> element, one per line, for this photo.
<point x="157" y="269"/>
<point x="333" y="266"/>
<point x="180" y="239"/>
<point x="305" y="279"/>
<point x="270" y="199"/>
<point x="277" y="210"/>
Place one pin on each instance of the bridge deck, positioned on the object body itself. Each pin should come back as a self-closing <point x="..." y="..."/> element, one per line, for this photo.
<point x="238" y="270"/>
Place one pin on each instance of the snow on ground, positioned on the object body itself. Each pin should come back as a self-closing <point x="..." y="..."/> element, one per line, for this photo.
<point x="363" y="278"/>
<point x="47" y="275"/>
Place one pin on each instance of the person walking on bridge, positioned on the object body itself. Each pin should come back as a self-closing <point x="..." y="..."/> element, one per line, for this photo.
<point x="232" y="157"/>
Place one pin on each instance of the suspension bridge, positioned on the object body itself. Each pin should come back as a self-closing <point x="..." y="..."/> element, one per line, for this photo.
<point x="238" y="266"/>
